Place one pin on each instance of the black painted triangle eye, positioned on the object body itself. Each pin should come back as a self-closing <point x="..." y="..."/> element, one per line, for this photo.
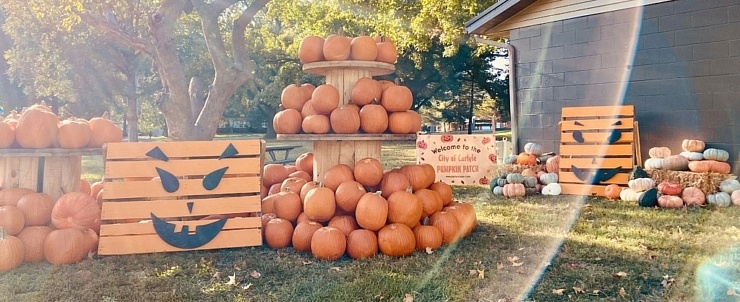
<point x="230" y="151"/>
<point x="212" y="180"/>
<point x="170" y="183"/>
<point x="578" y="123"/>
<point x="157" y="153"/>
<point x="617" y="123"/>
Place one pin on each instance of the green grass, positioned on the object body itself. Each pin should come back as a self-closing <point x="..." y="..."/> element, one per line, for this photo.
<point x="563" y="248"/>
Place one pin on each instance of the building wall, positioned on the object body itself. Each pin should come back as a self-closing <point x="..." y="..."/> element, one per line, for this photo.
<point x="677" y="62"/>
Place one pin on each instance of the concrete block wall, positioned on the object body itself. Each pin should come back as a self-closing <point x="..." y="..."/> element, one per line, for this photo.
<point x="677" y="62"/>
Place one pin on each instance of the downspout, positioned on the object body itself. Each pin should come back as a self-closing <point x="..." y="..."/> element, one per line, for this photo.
<point x="513" y="103"/>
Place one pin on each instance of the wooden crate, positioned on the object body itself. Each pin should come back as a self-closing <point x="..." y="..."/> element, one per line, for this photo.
<point x="596" y="142"/>
<point x="220" y="179"/>
<point x="54" y="171"/>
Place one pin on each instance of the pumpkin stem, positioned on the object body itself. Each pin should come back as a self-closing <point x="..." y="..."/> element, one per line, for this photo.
<point x="397" y="81"/>
<point x="2" y="233"/>
<point x="106" y="115"/>
<point x="298" y="82"/>
<point x="410" y="189"/>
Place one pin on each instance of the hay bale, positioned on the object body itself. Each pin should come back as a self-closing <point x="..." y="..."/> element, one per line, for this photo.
<point x="707" y="182"/>
<point x="499" y="170"/>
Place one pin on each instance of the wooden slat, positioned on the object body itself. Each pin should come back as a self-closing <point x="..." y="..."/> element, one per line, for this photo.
<point x="146" y="168"/>
<point x="596" y="150"/>
<point x="605" y="111"/>
<point x="569" y="177"/>
<point x="584" y="190"/>
<point x="188" y="187"/>
<point x="179" y="208"/>
<point x="124" y="245"/>
<point x="596" y="124"/>
<point x="596" y="138"/>
<point x="594" y="163"/>
<point x="115" y="151"/>
<point x="147" y="228"/>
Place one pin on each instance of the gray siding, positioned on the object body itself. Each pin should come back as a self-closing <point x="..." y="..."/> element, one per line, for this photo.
<point x="683" y="76"/>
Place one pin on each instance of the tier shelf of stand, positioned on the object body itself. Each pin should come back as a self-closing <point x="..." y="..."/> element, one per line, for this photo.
<point x="347" y="137"/>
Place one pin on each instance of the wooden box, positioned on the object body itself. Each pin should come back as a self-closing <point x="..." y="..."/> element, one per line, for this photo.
<point x="178" y="196"/>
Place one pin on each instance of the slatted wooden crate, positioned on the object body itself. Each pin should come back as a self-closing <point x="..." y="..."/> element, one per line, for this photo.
<point x="596" y="142"/>
<point x="207" y="196"/>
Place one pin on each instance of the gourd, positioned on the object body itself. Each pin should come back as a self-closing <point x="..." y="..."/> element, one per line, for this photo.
<point x="530" y="182"/>
<point x="728" y="186"/>
<point x="676" y="163"/>
<point x="501" y="181"/>
<point x="669" y="188"/>
<point x="533" y="148"/>
<point x="103" y="130"/>
<point x="692" y="145"/>
<point x="702" y="166"/>
<point x="670" y="201"/>
<point x="693" y="196"/>
<point x="693" y="156"/>
<point x="328" y="243"/>
<point x="649" y="198"/>
<point x="514" y="190"/>
<point x="12" y="251"/>
<point x="552" y="189"/>
<point x="735" y="198"/>
<point x="659" y="152"/>
<point x="630" y="195"/>
<point x="302" y="234"/>
<point x="714" y="154"/>
<point x="638" y="172"/>
<point x="641" y="184"/>
<point x="720" y="199"/>
<point x="362" y="244"/>
<point x="552" y="165"/>
<point x="654" y="163"/>
<point x="278" y="233"/>
<point x="396" y="240"/>
<point x="427" y="236"/>
<point x="548" y="178"/>
<point x="514" y="178"/>
<point x="612" y="191"/>
<point x="528" y="173"/>
<point x="372" y="211"/>
<point x="526" y="159"/>
<point x="288" y="121"/>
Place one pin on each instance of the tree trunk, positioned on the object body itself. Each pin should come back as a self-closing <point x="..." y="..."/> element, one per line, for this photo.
<point x="132" y="105"/>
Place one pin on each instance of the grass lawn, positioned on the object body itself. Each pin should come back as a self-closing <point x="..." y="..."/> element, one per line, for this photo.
<point x="562" y="248"/>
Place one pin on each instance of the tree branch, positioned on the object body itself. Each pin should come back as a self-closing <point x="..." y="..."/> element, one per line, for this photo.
<point x="209" y="14"/>
<point x="115" y="32"/>
<point x="239" y="47"/>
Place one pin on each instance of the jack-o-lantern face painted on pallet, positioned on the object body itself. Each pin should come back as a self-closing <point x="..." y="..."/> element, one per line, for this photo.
<point x="170" y="183"/>
<point x="599" y="175"/>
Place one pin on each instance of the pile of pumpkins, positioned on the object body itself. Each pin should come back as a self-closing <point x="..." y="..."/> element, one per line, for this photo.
<point x="361" y="212"/>
<point x="526" y="183"/>
<point x="377" y="106"/>
<point x="694" y="157"/>
<point x="337" y="47"/>
<point x="667" y="194"/>
<point x="34" y="227"/>
<point x="533" y="155"/>
<point x="37" y="127"/>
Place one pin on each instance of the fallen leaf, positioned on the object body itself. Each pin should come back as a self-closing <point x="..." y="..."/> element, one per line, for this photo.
<point x="472" y="272"/>
<point x="408" y="298"/>
<point x="216" y="275"/>
<point x="481" y="274"/>
<point x="558" y="292"/>
<point x="667" y="281"/>
<point x="477" y="263"/>
<point x="429" y="250"/>
<point x="517" y="263"/>
<point x="502" y="300"/>
<point x="335" y="268"/>
<point x="246" y="287"/>
<point x="499" y="265"/>
<point x="596" y="292"/>
<point x="578" y="290"/>
<point x="620" y="275"/>
<point x="512" y="259"/>
<point x="255" y="274"/>
<point x="622" y="292"/>
<point x="307" y="262"/>
<point x="520" y="270"/>
<point x="459" y="260"/>
<point x="232" y="280"/>
<point x="731" y="291"/>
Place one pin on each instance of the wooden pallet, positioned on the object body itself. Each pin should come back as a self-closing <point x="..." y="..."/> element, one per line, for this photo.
<point x="207" y="196"/>
<point x="599" y="140"/>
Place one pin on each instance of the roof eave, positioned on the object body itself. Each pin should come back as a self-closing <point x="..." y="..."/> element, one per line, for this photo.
<point x="483" y="23"/>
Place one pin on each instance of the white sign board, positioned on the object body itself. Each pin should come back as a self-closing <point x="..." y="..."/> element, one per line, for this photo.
<point x="458" y="159"/>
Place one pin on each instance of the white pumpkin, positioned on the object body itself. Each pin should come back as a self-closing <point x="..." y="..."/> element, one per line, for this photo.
<point x="692" y="156"/>
<point x="716" y="154"/>
<point x="654" y="163"/>
<point x="659" y="152"/>
<point x="498" y="191"/>
<point x="552" y="189"/>
<point x="641" y="184"/>
<point x="630" y="195"/>
<point x="728" y="186"/>
<point x="720" y="199"/>
<point x="548" y="178"/>
<point x="533" y="148"/>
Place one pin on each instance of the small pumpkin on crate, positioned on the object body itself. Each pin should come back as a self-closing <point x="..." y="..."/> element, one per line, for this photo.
<point x="612" y="191"/>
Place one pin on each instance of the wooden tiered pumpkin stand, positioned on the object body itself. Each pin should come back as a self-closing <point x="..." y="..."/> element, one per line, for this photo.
<point x="333" y="149"/>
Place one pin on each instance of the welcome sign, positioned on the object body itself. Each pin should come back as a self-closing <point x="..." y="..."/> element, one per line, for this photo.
<point x="459" y="159"/>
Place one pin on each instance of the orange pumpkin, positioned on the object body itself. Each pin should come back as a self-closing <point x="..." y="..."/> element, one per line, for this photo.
<point x="316" y="124"/>
<point x="552" y="165"/>
<point x="294" y="96"/>
<point x="363" y="48"/>
<point x="365" y="91"/>
<point x="306" y="188"/>
<point x="417" y="176"/>
<point x="612" y="191"/>
<point x="427" y="236"/>
<point x="36" y="208"/>
<point x="373" y="119"/>
<point x="304" y="162"/>
<point x="278" y="233"/>
<point x="11" y="196"/>
<point x="311" y="49"/>
<point x="7" y="134"/>
<point x="33" y="240"/>
<point x="465" y="214"/>
<point x="444" y="190"/>
<point x="336" y="48"/>
<point x="12" y="220"/>
<point x="74" y="133"/>
<point x="397" y="98"/>
<point x="75" y="210"/>
<point x="368" y="171"/>
<point x="293" y="184"/>
<point x="302" y="175"/>
<point x="348" y="194"/>
<point x="319" y="204"/>
<point x="387" y="52"/>
<point x="344" y="120"/>
<point x="448" y="224"/>
<point x="404" y="207"/>
<point x="37" y="128"/>
<point x="308" y="109"/>
<point x="103" y="130"/>
<point x="84" y="187"/>
<point x="396" y="240"/>
<point x="362" y="244"/>
<point x="328" y="243"/>
<point x="372" y="211"/>
<point x="526" y="159"/>
<point x="288" y="205"/>
<point x="325" y="99"/>
<point x="65" y="246"/>
<point x="273" y="174"/>
<point x="302" y="235"/>
<point x="337" y="175"/>
<point x="287" y="121"/>
<point x="344" y="223"/>
<point x="402" y="122"/>
<point x="12" y="251"/>
<point x="393" y="181"/>
<point x="431" y="201"/>
<point x="693" y="196"/>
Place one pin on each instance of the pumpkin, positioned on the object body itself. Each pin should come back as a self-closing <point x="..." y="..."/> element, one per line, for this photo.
<point x="552" y="165"/>
<point x="720" y="199"/>
<point x="649" y="198"/>
<point x="396" y="240"/>
<point x="515" y="178"/>
<point x="368" y="171"/>
<point x="268" y="203"/>
<point x="75" y="210"/>
<point x="311" y="49"/>
<point x="293" y="184"/>
<point x="498" y="191"/>
<point x="74" y="133"/>
<point x="676" y="163"/>
<point x="348" y="194"/>
<point x="417" y="176"/>
<point x="654" y="163"/>
<point x="65" y="246"/>
<point x="397" y="98"/>
<point x="711" y="153"/>
<point x="12" y="220"/>
<point x="294" y="96"/>
<point x="362" y="244"/>
<point x="304" y="162"/>
<point x="365" y="91"/>
<point x="526" y="159"/>
<point x="7" y="134"/>
<point x="638" y="172"/>
<point x="401" y="122"/>
<point x="273" y="174"/>
<point x="393" y="181"/>
<point x="510" y="160"/>
<point x="344" y="121"/>
<point x="33" y="241"/>
<point x="641" y="184"/>
<point x="278" y="233"/>
<point x="337" y="175"/>
<point x="372" y="211"/>
<point x="669" y="188"/>
<point x="670" y="201"/>
<point x="336" y="47"/>
<point x="630" y="195"/>
<point x="533" y="148"/>
<point x="308" y="109"/>
<point x="37" y="128"/>
<point x="693" y="196"/>
<point x="431" y="201"/>
<point x="274" y="189"/>
<point x="95" y="188"/>
<point x="501" y="181"/>
<point x="373" y="119"/>
<point x="363" y="48"/>
<point x="85" y="187"/>
<point x="11" y="196"/>
<point x="692" y="145"/>
<point x="659" y="152"/>
<point x="448" y="225"/>
<point x="36" y="208"/>
<point x="444" y="190"/>
<point x="302" y="234"/>
<point x="735" y="197"/>
<point x="306" y="188"/>
<point x="552" y="189"/>
<point x="325" y="98"/>
<point x="530" y="182"/>
<point x="386" y="50"/>
<point x="702" y="166"/>
<point x="12" y="251"/>
<point x="92" y="240"/>
<point x="692" y="156"/>
<point x="345" y="223"/>
<point x="427" y="236"/>
<point x="514" y="190"/>
<point x="319" y="204"/>
<point x="404" y="207"/>
<point x="528" y="173"/>
<point x="729" y="185"/>
<point x="548" y="178"/>
<point x="612" y="191"/>
<point x="265" y="219"/>
<point x="465" y="214"/>
<point x="288" y="121"/>
<point x="288" y="205"/>
<point x="328" y="243"/>
<point x="103" y="130"/>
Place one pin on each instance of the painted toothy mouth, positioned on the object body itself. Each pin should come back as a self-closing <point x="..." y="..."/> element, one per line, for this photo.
<point x="184" y="239"/>
<point x="594" y="177"/>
